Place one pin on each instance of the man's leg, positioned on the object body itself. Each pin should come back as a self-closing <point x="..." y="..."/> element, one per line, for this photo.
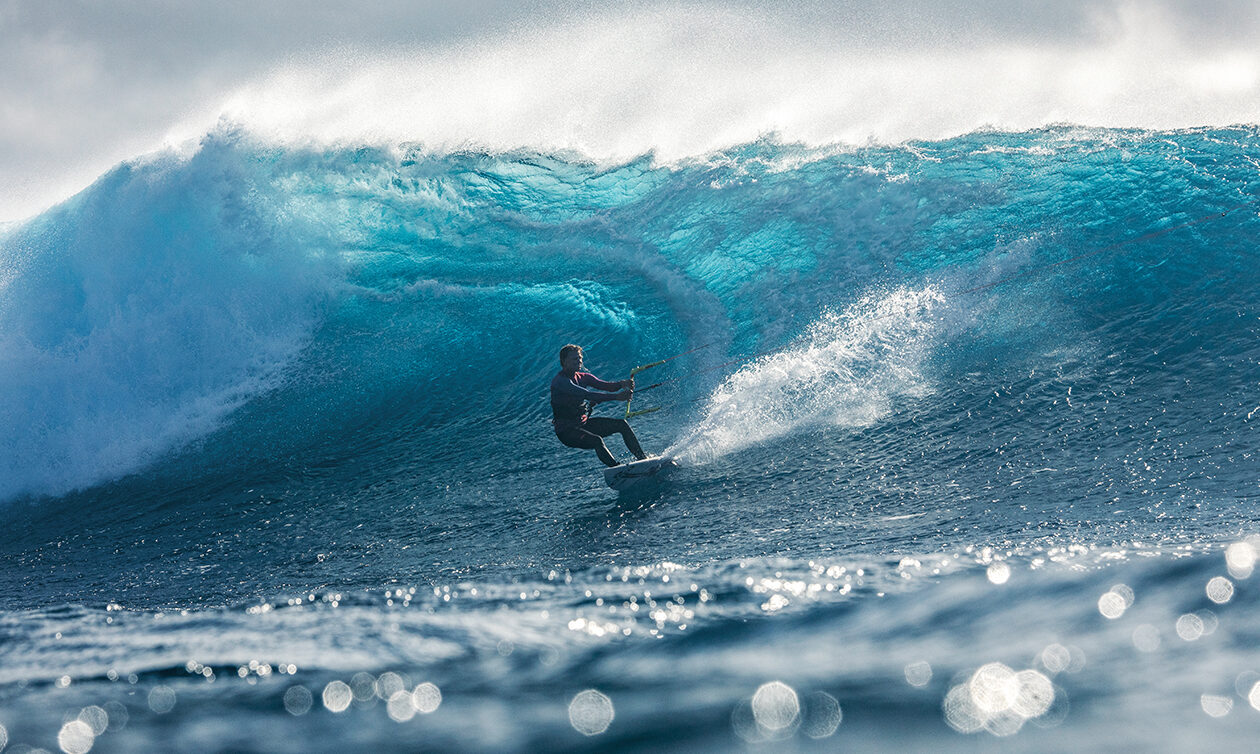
<point x="601" y="450"/>
<point x="580" y="438"/>
<point x="603" y="426"/>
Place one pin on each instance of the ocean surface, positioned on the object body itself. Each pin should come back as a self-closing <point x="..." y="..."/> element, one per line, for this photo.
<point x="968" y="446"/>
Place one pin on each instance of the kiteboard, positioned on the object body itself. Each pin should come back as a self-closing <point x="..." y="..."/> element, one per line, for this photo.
<point x="631" y="475"/>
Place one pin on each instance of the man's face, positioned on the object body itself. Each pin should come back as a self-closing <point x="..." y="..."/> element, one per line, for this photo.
<point x="572" y="362"/>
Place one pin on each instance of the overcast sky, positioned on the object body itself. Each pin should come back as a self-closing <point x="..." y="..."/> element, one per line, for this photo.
<point x="86" y="84"/>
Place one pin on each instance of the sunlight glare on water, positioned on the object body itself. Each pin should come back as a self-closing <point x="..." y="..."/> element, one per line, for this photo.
<point x="399" y="707"/>
<point x="1220" y="590"/>
<point x="773" y="713"/>
<point x="75" y="737"/>
<point x="1215" y="705"/>
<point x="1035" y="696"/>
<point x="1111" y="605"/>
<point x="426" y="697"/>
<point x="337" y="696"/>
<point x="388" y="684"/>
<point x="162" y="699"/>
<point x="363" y="687"/>
<point x="590" y="712"/>
<point x="822" y="715"/>
<point x="918" y="673"/>
<point x="775" y="706"/>
<point x="118" y="715"/>
<point x="1240" y="559"/>
<point x="993" y="688"/>
<point x="1190" y="627"/>
<point x="1056" y="658"/>
<point x="298" y="700"/>
<point x="998" y="573"/>
<point x="1115" y="601"/>
<point x="96" y="718"/>
<point x="998" y="699"/>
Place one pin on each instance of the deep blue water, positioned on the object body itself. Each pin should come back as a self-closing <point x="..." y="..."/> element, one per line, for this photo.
<point x="963" y="457"/>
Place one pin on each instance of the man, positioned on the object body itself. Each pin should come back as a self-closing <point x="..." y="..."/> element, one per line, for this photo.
<point x="572" y="393"/>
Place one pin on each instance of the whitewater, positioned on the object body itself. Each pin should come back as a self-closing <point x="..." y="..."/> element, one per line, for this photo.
<point x="967" y="444"/>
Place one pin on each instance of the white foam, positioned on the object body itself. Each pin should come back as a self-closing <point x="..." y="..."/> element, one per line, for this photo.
<point x="681" y="83"/>
<point x="847" y="371"/>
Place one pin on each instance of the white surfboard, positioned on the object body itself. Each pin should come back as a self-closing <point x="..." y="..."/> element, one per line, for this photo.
<point x="630" y="475"/>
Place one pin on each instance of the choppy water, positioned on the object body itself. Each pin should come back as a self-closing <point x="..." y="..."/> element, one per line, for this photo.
<point x="277" y="472"/>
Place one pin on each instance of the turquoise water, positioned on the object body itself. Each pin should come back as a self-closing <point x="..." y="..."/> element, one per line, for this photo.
<point x="963" y="456"/>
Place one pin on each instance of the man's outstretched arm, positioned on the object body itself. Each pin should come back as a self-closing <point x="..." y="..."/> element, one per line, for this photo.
<point x="588" y="379"/>
<point x="594" y="396"/>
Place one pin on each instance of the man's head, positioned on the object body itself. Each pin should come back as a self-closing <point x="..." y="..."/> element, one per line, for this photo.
<point x="571" y="358"/>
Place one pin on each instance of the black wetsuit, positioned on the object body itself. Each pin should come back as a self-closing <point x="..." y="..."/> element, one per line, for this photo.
<point x="571" y="396"/>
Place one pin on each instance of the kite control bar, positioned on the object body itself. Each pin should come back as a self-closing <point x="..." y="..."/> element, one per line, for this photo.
<point x="642" y="367"/>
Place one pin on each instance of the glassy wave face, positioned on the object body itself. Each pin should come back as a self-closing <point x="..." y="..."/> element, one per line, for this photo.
<point x="968" y="448"/>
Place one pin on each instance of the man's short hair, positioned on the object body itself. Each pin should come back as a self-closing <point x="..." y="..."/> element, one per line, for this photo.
<point x="568" y="349"/>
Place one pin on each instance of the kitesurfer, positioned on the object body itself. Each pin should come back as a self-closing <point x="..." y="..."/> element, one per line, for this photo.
<point x="572" y="394"/>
